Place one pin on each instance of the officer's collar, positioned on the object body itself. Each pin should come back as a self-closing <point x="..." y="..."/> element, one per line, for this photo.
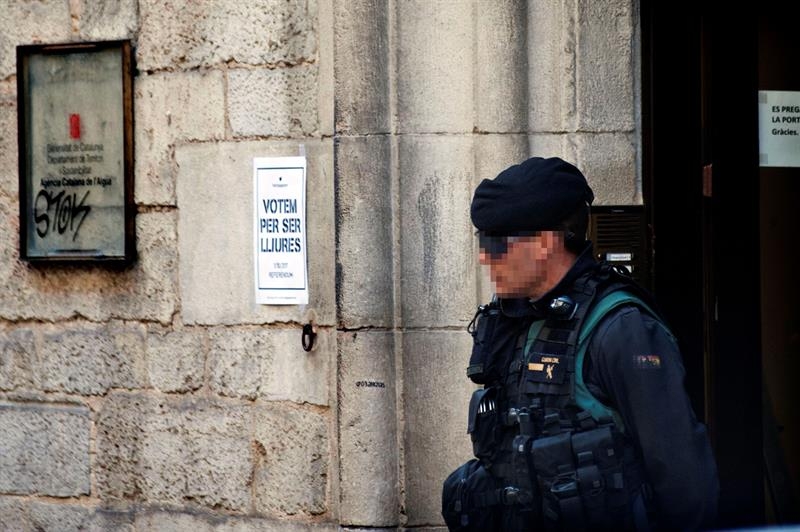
<point x="539" y="308"/>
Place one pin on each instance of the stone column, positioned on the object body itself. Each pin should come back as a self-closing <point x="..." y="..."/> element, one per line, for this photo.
<point x="369" y="482"/>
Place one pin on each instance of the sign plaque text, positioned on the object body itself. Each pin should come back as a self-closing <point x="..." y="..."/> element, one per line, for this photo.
<point x="76" y="152"/>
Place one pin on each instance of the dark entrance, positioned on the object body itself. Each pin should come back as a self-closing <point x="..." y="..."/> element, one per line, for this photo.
<point x="723" y="233"/>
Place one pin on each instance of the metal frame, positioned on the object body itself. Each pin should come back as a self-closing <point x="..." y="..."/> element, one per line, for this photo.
<point x="24" y="53"/>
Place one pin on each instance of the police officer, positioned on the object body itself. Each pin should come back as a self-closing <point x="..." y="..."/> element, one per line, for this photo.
<point x="583" y="422"/>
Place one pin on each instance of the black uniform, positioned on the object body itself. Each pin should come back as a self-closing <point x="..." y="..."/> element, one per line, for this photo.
<point x="633" y="365"/>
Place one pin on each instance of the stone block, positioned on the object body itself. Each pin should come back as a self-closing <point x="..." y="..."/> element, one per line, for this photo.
<point x="46" y="21"/>
<point x="435" y="67"/>
<point x="270" y="364"/>
<point x="171" y="521"/>
<point x="91" y="359"/>
<point x="49" y="517"/>
<point x="147" y="290"/>
<point x="438" y="263"/>
<point x="604" y="66"/>
<point x="501" y="64"/>
<point x="176" y="358"/>
<point x="171" y="108"/>
<point x="17" y="359"/>
<point x="495" y="153"/>
<point x="361" y="67"/>
<point x="551" y="65"/>
<point x="14" y="515"/>
<point x="325" y="54"/>
<point x="9" y="158"/>
<point x="174" y="450"/>
<point x="280" y="102"/>
<point x="551" y="145"/>
<point x="609" y="162"/>
<point x="100" y="20"/>
<point x="187" y="34"/>
<point x="435" y="435"/>
<point x="44" y="450"/>
<point x="291" y="465"/>
<point x="368" y="429"/>
<point x="365" y="261"/>
<point x="217" y="244"/>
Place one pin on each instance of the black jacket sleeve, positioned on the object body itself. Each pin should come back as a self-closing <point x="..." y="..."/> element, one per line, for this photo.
<point x="633" y="364"/>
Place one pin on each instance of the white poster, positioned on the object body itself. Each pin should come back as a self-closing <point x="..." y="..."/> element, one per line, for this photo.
<point x="779" y="128"/>
<point x="279" y="189"/>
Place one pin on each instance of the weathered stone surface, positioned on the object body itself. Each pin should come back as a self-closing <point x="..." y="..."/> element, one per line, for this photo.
<point x="551" y="145"/>
<point x="270" y="364"/>
<point x="501" y="63"/>
<point x="44" y="450"/>
<point x="9" y="158"/>
<point x="368" y="429"/>
<point x="170" y="108"/>
<point x="216" y="244"/>
<point x="435" y="66"/>
<point x="361" y="67"/>
<point x="25" y="515"/>
<point x="17" y="359"/>
<point x="292" y="456"/>
<point x="325" y="55"/>
<point x="46" y="21"/>
<point x="437" y="265"/>
<point x="187" y="34"/>
<point x="176" y="358"/>
<point x="551" y="65"/>
<point x="100" y="20"/>
<point x="495" y="153"/>
<point x="48" y="517"/>
<point x="147" y="290"/>
<point x="365" y="262"/>
<point x="604" y="66"/>
<point x="279" y="102"/>
<point x="90" y="359"/>
<point x="13" y="515"/>
<point x="188" y="451"/>
<point x="436" y="439"/>
<point x="608" y="160"/>
<point x="180" y="522"/>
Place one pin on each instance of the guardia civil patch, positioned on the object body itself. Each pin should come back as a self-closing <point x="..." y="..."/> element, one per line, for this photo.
<point x="647" y="361"/>
<point x="548" y="369"/>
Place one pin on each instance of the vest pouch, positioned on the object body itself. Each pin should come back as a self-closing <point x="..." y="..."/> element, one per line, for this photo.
<point x="471" y="499"/>
<point x="483" y="423"/>
<point x="596" y="457"/>
<point x="482" y="329"/>
<point x="609" y="488"/>
<point x="554" y="464"/>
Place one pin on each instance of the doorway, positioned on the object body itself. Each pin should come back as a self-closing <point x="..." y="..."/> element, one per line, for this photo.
<point x="723" y="232"/>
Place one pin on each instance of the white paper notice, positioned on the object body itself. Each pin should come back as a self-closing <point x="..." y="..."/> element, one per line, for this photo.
<point x="279" y="189"/>
<point x="779" y="128"/>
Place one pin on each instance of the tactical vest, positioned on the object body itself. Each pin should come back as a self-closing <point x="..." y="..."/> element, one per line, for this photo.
<point x="559" y="458"/>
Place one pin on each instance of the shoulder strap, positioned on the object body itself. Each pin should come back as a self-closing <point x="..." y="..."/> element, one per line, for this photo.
<point x="583" y="397"/>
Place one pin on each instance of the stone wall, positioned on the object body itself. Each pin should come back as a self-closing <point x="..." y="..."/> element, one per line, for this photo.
<point x="161" y="397"/>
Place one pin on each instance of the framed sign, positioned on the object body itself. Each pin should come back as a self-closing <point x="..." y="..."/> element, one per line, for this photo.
<point x="75" y="117"/>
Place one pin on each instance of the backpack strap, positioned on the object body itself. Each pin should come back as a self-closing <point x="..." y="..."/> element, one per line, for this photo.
<point x="583" y="397"/>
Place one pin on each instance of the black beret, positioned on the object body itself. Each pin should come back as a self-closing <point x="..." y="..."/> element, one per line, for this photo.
<point x="531" y="196"/>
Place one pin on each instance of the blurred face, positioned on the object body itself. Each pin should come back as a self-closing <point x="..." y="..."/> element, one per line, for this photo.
<point x="518" y="265"/>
